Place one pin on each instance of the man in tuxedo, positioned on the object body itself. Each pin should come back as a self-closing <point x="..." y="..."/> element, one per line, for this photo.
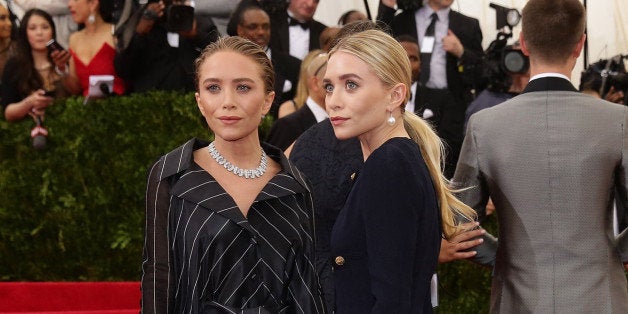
<point x="253" y="23"/>
<point x="551" y="160"/>
<point x="294" y="30"/>
<point x="451" y="50"/>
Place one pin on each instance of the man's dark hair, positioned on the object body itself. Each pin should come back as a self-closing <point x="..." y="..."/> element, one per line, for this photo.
<point x="552" y="28"/>
<point x="406" y="39"/>
<point x="356" y="27"/>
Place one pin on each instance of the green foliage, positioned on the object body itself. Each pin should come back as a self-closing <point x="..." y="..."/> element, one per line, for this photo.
<point x="75" y="210"/>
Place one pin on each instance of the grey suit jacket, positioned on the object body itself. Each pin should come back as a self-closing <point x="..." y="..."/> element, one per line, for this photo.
<point x="550" y="159"/>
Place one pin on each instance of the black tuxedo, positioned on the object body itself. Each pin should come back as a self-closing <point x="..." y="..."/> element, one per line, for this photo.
<point x="286" y="69"/>
<point x="287" y="129"/>
<point x="448" y="106"/>
<point x="280" y="37"/>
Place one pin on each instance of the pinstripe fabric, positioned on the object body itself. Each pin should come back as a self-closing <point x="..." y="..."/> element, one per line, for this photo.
<point x="201" y="255"/>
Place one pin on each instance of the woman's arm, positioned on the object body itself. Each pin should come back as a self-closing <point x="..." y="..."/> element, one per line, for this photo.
<point x="35" y="104"/>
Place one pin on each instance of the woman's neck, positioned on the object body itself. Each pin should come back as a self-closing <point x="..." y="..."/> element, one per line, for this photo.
<point x="244" y="152"/>
<point x="97" y="26"/>
<point x="40" y="58"/>
<point x="373" y="139"/>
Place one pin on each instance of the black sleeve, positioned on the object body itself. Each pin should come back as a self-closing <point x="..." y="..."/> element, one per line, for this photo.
<point x="125" y="61"/>
<point x="8" y="89"/>
<point x="385" y="14"/>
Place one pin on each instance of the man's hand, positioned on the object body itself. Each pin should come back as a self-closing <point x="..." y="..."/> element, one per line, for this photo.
<point x="614" y="96"/>
<point x="452" y="44"/>
<point x="151" y="14"/>
<point x="389" y="3"/>
<point x="454" y="249"/>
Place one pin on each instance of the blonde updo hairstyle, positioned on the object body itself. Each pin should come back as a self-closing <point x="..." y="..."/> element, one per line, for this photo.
<point x="389" y="61"/>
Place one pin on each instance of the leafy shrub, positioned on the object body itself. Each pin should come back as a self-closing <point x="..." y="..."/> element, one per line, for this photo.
<point x="75" y="210"/>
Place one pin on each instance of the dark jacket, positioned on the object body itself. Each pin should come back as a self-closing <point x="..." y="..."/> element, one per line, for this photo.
<point x="287" y="129"/>
<point x="150" y="63"/>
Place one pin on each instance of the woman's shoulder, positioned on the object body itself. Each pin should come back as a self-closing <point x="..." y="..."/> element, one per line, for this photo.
<point x="394" y="149"/>
<point x="177" y="160"/>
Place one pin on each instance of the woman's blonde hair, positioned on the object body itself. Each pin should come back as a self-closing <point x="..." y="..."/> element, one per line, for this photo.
<point x="389" y="61"/>
<point x="302" y="92"/>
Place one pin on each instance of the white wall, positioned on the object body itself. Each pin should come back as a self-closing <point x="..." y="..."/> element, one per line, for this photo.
<point x="607" y="24"/>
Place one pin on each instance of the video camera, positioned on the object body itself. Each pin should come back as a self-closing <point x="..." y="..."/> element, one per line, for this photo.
<point x="604" y="74"/>
<point x="500" y="60"/>
<point x="178" y="17"/>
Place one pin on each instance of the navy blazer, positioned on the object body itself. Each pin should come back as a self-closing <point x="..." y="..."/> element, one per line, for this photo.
<point x="386" y="239"/>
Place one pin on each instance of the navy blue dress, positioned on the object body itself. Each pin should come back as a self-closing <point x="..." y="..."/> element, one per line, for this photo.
<point x="386" y="239"/>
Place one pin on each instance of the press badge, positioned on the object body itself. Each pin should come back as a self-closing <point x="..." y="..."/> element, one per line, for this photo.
<point x="173" y="39"/>
<point x="427" y="45"/>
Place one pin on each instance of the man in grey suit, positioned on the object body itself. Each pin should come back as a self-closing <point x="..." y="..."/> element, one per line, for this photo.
<point x="550" y="159"/>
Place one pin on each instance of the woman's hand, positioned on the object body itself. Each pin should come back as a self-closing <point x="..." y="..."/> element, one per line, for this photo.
<point x="61" y="59"/>
<point x="38" y="101"/>
<point x="456" y="248"/>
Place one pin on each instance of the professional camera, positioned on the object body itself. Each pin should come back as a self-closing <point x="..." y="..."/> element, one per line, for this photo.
<point x="604" y="74"/>
<point x="178" y="17"/>
<point x="500" y="60"/>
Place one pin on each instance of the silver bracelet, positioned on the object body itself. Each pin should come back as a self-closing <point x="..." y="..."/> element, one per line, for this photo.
<point x="62" y="73"/>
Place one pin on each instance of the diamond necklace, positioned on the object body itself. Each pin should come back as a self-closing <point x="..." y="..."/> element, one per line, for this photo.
<point x="246" y="173"/>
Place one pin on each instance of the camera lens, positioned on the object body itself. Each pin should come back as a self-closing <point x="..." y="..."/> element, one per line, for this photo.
<point x="514" y="61"/>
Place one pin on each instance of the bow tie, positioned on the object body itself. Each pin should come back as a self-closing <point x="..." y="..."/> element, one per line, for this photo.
<point x="304" y="25"/>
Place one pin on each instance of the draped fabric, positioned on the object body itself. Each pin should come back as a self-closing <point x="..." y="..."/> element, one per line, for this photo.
<point x="202" y="255"/>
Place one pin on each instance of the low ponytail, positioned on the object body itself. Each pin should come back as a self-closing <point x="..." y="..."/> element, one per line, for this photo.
<point x="432" y="150"/>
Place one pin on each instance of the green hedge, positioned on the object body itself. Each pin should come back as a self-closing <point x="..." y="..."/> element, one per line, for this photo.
<point x="75" y="210"/>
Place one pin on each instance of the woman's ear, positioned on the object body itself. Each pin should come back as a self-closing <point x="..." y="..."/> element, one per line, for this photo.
<point x="268" y="102"/>
<point x="397" y="95"/>
<point x="198" y="103"/>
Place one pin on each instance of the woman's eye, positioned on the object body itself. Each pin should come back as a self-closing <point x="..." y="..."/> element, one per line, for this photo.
<point x="213" y="88"/>
<point x="351" y="85"/>
<point x="328" y="88"/>
<point x="243" y="88"/>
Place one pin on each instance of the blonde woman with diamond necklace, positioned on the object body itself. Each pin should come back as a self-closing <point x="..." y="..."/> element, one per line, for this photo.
<point x="229" y="223"/>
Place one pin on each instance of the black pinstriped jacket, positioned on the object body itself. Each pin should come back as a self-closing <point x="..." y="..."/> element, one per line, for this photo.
<point x="201" y="255"/>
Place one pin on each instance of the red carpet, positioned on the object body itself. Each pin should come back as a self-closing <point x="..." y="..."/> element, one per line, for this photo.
<point x="70" y="297"/>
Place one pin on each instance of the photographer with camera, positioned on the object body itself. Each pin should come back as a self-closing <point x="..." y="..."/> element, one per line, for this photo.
<point x="506" y="79"/>
<point x="606" y="79"/>
<point x="167" y="39"/>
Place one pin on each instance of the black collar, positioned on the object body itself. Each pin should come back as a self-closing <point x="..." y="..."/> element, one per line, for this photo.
<point x="549" y="83"/>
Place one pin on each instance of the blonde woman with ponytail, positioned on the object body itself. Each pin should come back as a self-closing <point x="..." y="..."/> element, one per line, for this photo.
<point x="385" y="241"/>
